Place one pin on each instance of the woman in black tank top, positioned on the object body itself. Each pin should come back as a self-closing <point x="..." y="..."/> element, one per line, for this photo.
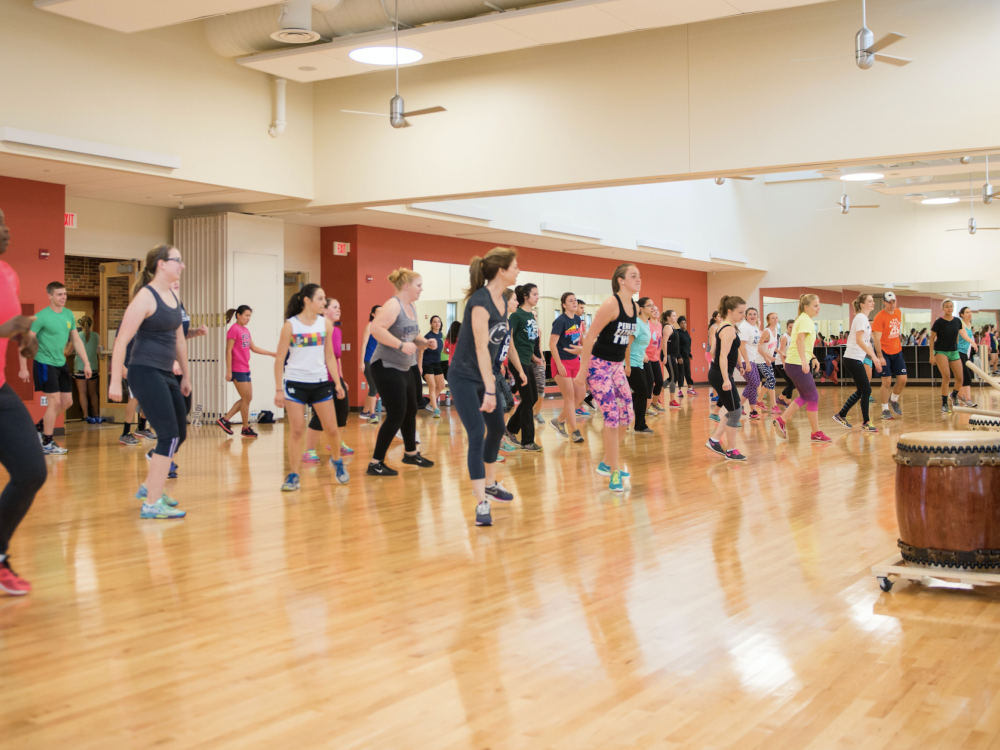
<point x="720" y="376"/>
<point x="602" y="366"/>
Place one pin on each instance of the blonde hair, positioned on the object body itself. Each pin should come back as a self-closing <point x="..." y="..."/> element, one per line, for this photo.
<point x="403" y="276"/>
<point x="860" y="301"/>
<point x="86" y="323"/>
<point x="727" y="304"/>
<point x="485" y="269"/>
<point x="805" y="300"/>
<point x="153" y="258"/>
<point x="620" y="274"/>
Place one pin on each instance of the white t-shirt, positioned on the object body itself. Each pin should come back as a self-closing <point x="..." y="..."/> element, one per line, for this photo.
<point x="783" y="343"/>
<point x="860" y="323"/>
<point x="750" y="335"/>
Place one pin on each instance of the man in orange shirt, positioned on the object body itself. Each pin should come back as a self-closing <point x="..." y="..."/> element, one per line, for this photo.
<point x="886" y="330"/>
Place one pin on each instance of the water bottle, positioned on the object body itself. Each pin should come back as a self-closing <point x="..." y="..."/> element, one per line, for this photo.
<point x="253" y="417"/>
<point x="447" y="399"/>
<point x="378" y="407"/>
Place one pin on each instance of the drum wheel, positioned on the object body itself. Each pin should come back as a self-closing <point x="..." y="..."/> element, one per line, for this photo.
<point x="885" y="584"/>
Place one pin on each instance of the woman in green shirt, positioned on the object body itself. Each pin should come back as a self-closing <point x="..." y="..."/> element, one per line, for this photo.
<point x="86" y="388"/>
<point x="524" y="334"/>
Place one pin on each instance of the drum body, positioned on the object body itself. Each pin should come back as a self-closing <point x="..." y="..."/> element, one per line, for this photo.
<point x="984" y="423"/>
<point x="948" y="498"/>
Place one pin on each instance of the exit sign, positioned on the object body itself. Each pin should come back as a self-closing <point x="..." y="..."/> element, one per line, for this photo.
<point x="69" y="221"/>
<point x="341" y="248"/>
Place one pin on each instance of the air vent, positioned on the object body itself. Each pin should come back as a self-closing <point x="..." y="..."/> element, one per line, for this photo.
<point x="295" y="36"/>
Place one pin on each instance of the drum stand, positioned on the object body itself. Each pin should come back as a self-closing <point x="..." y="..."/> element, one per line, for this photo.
<point x="900" y="568"/>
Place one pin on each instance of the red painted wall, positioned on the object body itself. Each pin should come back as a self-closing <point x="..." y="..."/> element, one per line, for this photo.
<point x="34" y="212"/>
<point x="377" y="252"/>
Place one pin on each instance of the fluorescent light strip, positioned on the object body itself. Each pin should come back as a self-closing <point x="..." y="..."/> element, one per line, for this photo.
<point x="576" y="230"/>
<point x="90" y="148"/>
<point x="455" y="208"/>
<point x="667" y="245"/>
<point x="729" y="258"/>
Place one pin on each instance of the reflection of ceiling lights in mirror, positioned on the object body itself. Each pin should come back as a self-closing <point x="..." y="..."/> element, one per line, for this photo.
<point x="862" y="176"/>
<point x="385" y="55"/>
<point x="939" y="201"/>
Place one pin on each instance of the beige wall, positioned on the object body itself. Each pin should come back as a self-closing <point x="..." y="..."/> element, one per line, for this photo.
<point x="302" y="249"/>
<point x="108" y="229"/>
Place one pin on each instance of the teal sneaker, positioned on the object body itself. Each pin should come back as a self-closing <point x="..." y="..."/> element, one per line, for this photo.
<point x="605" y="471"/>
<point x="160" y="510"/>
<point x="616" y="482"/>
<point x="143" y="493"/>
<point x="291" y="483"/>
<point x="714" y="417"/>
<point x="310" y="457"/>
<point x="341" y="472"/>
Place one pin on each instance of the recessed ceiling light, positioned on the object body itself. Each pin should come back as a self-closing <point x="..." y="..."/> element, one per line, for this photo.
<point x="385" y="55"/>
<point x="939" y="201"/>
<point x="307" y="68"/>
<point x="861" y="176"/>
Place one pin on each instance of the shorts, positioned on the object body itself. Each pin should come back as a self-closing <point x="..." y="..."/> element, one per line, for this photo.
<point x="52" y="379"/>
<point x="241" y="377"/>
<point x="308" y="393"/>
<point x="433" y="368"/>
<point x="539" y="372"/>
<point x="79" y="375"/>
<point x="895" y="364"/>
<point x="952" y="356"/>
<point x="867" y="361"/>
<point x="610" y="388"/>
<point x="572" y="367"/>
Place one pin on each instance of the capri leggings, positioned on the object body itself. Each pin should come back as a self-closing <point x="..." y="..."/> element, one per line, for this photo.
<point x="342" y="406"/>
<point x="609" y="387"/>
<point x="372" y="386"/>
<point x="753" y="383"/>
<point x="766" y="374"/>
<point x="467" y="396"/>
<point x="966" y="372"/>
<point x="808" y="395"/>
<point x="159" y="395"/>
<point x="654" y="378"/>
<point x="675" y="375"/>
<point x="22" y="457"/>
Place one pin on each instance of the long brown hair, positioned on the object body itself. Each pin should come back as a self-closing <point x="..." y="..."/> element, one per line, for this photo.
<point x="86" y="323"/>
<point x="859" y="301"/>
<point x="153" y="258"/>
<point x="485" y="269"/>
<point x="727" y="303"/>
<point x="619" y="274"/>
<point x="805" y="300"/>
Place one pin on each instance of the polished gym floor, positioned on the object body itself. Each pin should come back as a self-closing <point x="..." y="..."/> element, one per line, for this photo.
<point x="710" y="605"/>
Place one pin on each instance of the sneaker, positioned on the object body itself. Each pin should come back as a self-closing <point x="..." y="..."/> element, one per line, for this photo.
<point x="715" y="447"/>
<point x="819" y="437"/>
<point x="886" y="414"/>
<point x="160" y="509"/>
<point x="291" y="483"/>
<point x="692" y="392"/>
<point x="779" y="425"/>
<point x="713" y="398"/>
<point x="972" y="404"/>
<point x="379" y="469"/>
<point x="645" y="431"/>
<point x="11" y="582"/>
<point x="339" y="470"/>
<point x="660" y="408"/>
<point x="225" y="424"/>
<point x="508" y="447"/>
<point x="143" y="494"/>
<point x="754" y="414"/>
<point x="498" y="492"/>
<point x="735" y="455"/>
<point x="129" y="439"/>
<point x="248" y="432"/>
<point x="373" y="419"/>
<point x="776" y="410"/>
<point x="540" y="419"/>
<point x="501" y="459"/>
<point x="680" y="393"/>
<point x="871" y="399"/>
<point x="841" y="421"/>
<point x="605" y="471"/>
<point x="896" y="408"/>
<point x="715" y="417"/>
<point x="345" y="449"/>
<point x="577" y="437"/>
<point x="364" y="415"/>
<point x="532" y="448"/>
<point x="51" y="449"/>
<point x="674" y="404"/>
<point x="437" y="414"/>
<point x="310" y="457"/>
<point x="429" y="408"/>
<point x="582" y="413"/>
<point x="945" y="409"/>
<point x="560" y="427"/>
<point x="868" y="427"/>
<point x="483" y="516"/>
<point x="510" y="437"/>
<point x="417" y="460"/>
<point x="781" y="402"/>
<point x="150" y="435"/>
<point x="616" y="485"/>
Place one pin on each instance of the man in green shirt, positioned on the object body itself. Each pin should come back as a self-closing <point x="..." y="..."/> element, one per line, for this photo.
<point x="53" y="329"/>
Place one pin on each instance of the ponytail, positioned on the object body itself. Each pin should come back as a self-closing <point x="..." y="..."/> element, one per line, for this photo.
<point x="727" y="304"/>
<point x="619" y="274"/>
<point x="298" y="301"/>
<point x="860" y="301"/>
<point x="86" y="323"/>
<point x="485" y="269"/>
<point x="153" y="258"/>
<point x="805" y="300"/>
<point x="523" y="292"/>
<point x="238" y="311"/>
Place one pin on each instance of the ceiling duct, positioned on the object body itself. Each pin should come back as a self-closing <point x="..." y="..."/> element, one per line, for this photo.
<point x="295" y="23"/>
<point x="259" y="30"/>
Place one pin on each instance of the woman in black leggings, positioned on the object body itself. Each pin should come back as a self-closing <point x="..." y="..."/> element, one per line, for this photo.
<point x="859" y="349"/>
<point x="157" y="326"/>
<point x="394" y="368"/>
<point x="483" y="343"/>
<point x="524" y="335"/>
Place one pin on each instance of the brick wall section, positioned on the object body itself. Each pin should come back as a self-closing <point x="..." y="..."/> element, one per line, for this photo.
<point x="83" y="275"/>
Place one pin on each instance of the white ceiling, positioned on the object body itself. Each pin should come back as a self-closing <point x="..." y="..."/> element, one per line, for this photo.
<point x="140" y="15"/>
<point x="931" y="178"/>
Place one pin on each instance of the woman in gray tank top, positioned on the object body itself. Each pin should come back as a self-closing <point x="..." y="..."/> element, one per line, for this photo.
<point x="155" y="319"/>
<point x="394" y="369"/>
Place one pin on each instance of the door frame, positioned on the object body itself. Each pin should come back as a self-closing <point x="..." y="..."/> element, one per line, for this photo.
<point x="111" y="271"/>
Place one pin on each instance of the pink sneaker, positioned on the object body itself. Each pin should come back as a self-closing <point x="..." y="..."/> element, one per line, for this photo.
<point x="754" y="415"/>
<point x="310" y="457"/>
<point x="692" y="392"/>
<point x="11" y="582"/>
<point x="819" y="437"/>
<point x="776" y="410"/>
<point x="779" y="425"/>
<point x="674" y="404"/>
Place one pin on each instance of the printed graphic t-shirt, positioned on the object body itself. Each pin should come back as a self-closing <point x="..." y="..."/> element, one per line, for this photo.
<point x="465" y="361"/>
<point x="241" y="349"/>
<point x="888" y="325"/>
<point x="569" y="331"/>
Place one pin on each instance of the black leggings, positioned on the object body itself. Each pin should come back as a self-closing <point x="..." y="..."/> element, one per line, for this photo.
<point x="159" y="395"/>
<point x="523" y="419"/>
<point x="21" y="455"/>
<point x="654" y="378"/>
<point x="686" y="373"/>
<point x="640" y="396"/>
<point x="856" y="369"/>
<point x="675" y="375"/>
<point x="789" y="385"/>
<point x="966" y="372"/>
<point x="399" y="403"/>
<point x="467" y="396"/>
<point x="341" y="405"/>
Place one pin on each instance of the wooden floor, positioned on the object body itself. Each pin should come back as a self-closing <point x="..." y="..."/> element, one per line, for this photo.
<point x="710" y="606"/>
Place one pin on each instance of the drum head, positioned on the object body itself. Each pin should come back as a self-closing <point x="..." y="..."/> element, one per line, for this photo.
<point x="977" y="422"/>
<point x="946" y="448"/>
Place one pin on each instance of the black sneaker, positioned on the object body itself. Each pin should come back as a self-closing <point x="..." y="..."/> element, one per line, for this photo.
<point x="841" y="421"/>
<point x="645" y="431"/>
<point x="532" y="448"/>
<point x="379" y="469"/>
<point x="577" y="437"/>
<point x="225" y="424"/>
<point x="715" y="447"/>
<point x="483" y="516"/>
<point x="499" y="492"/>
<point x="896" y="408"/>
<point x="417" y="460"/>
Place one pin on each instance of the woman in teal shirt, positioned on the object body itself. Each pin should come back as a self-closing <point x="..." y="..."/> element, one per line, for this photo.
<point x="635" y="360"/>
<point x="86" y="388"/>
<point x="966" y="341"/>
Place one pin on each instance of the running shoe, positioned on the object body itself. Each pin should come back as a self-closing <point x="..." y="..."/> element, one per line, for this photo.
<point x="150" y="435"/>
<point x="364" y="415"/>
<point x="11" y="582"/>
<point x="310" y="457"/>
<point x="560" y="427"/>
<point x="776" y="410"/>
<point x="339" y="470"/>
<point x="248" y="432"/>
<point x="577" y="437"/>
<point x="437" y="414"/>
<point x="540" y="419"/>
<point x="971" y="404"/>
<point x="498" y="492"/>
<point x="605" y="471"/>
<point x="692" y="392"/>
<point x="373" y="420"/>
<point x="379" y="469"/>
<point x="582" y="413"/>
<point x="345" y="449"/>
<point x="417" y="460"/>
<point x="715" y="417"/>
<point x="680" y="393"/>
<point x="871" y="399"/>
<point x="896" y="408"/>
<point x="129" y="439"/>
<point x="674" y="404"/>
<point x="616" y="485"/>
<point x="532" y="448"/>
<point x="946" y="408"/>
<point x="715" y="447"/>
<point x="510" y="437"/>
<point x="51" y="449"/>
<point x="143" y="494"/>
<point x="819" y="437"/>
<point x="225" y="424"/>
<point x="779" y="425"/>
<point x="645" y="431"/>
<point x="713" y="398"/>
<point x="868" y="427"/>
<point x="508" y="447"/>
<point x="735" y="455"/>
<point x="660" y="408"/>
<point x="781" y="402"/>
<point x="483" y="516"/>
<point x="754" y="414"/>
<point x="886" y="414"/>
<point x="291" y="483"/>
<point x="841" y="421"/>
<point x="160" y="509"/>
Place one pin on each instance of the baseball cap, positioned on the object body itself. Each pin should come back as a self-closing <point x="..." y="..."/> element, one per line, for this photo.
<point x="889" y="297"/>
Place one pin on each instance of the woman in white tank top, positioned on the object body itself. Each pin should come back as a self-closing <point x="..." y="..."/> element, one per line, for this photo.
<point x="768" y="352"/>
<point x="306" y="339"/>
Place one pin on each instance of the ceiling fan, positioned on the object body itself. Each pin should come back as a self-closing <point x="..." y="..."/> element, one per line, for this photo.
<point x="722" y="180"/>
<point x="397" y="108"/>
<point x="866" y="50"/>
<point x="844" y="204"/>
<point x="987" y="187"/>
<point x="971" y="227"/>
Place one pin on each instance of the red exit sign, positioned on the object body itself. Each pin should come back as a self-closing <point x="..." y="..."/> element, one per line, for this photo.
<point x="341" y="248"/>
<point x="69" y="221"/>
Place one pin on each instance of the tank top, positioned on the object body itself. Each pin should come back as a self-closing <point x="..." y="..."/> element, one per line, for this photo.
<point x="613" y="339"/>
<point x="784" y="340"/>
<point x="156" y="339"/>
<point x="306" y="361"/>
<point x="404" y="329"/>
<point x="674" y="344"/>
<point x="734" y="351"/>
<point x="370" y="348"/>
<point x="772" y="343"/>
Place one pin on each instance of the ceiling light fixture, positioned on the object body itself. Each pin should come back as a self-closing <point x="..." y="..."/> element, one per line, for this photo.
<point x="939" y="201"/>
<point x="385" y="55"/>
<point x="862" y="176"/>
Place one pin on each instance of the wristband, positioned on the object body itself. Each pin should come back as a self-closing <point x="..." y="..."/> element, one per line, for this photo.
<point x="491" y="394"/>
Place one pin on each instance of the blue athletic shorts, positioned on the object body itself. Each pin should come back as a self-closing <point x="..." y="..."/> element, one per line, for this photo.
<point x="241" y="377"/>
<point x="894" y="365"/>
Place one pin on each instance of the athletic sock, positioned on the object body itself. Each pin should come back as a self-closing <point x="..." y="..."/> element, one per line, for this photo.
<point x="141" y="424"/>
<point x="46" y="439"/>
<point x="944" y="401"/>
<point x="894" y="397"/>
<point x="126" y="429"/>
<point x="885" y="406"/>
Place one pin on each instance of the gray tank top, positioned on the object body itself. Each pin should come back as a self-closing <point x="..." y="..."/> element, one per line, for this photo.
<point x="403" y="329"/>
<point x="156" y="340"/>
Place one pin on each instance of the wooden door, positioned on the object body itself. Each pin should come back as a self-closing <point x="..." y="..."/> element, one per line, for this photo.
<point x="680" y="306"/>
<point x="117" y="280"/>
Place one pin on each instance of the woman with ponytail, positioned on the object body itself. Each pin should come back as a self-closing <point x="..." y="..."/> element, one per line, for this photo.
<point x="368" y="343"/>
<point x="341" y="405"/>
<point x="564" y="343"/>
<point x="524" y="333"/>
<point x="729" y="351"/>
<point x="239" y="344"/>
<point x="800" y="363"/>
<point x="858" y="356"/>
<point x="86" y="388"/>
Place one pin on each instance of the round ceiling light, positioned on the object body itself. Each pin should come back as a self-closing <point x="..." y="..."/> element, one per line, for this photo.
<point x="939" y="201"/>
<point x="862" y="176"/>
<point x="385" y="55"/>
